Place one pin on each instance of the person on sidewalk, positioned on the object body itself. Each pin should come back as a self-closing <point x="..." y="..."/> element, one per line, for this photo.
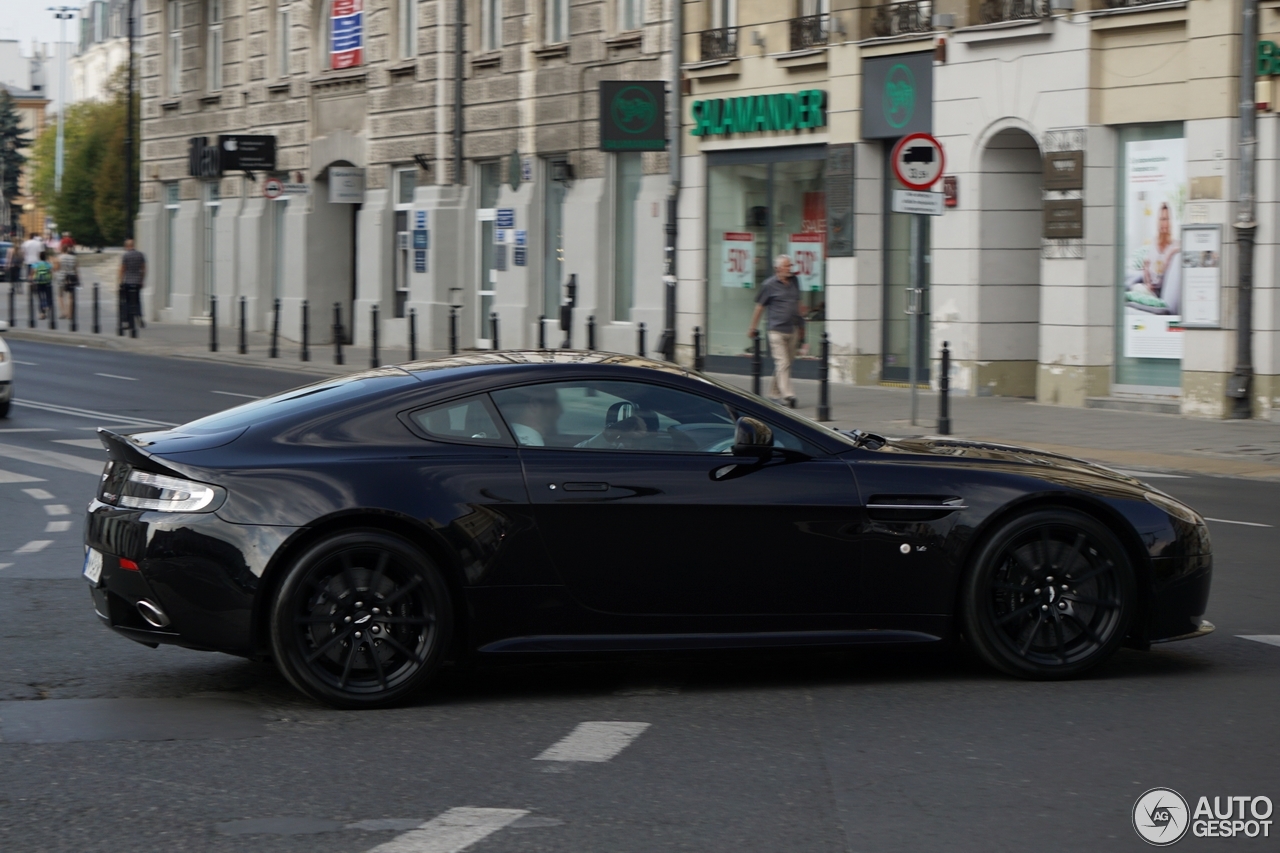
<point x="31" y="253"/>
<point x="780" y="294"/>
<point x="133" y="274"/>
<point x="66" y="266"/>
<point x="42" y="281"/>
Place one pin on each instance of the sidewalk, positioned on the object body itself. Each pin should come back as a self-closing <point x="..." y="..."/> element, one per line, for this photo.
<point x="1123" y="439"/>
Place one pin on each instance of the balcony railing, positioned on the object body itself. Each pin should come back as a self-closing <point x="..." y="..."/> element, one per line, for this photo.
<point x="810" y="31"/>
<point x="995" y="11"/>
<point x="721" y="43"/>
<point x="899" y="19"/>
<point x="1125" y="4"/>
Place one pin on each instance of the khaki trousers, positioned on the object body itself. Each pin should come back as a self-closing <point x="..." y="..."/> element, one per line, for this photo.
<point x="783" y="347"/>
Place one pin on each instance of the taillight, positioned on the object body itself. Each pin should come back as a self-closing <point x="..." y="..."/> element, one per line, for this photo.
<point x="130" y="488"/>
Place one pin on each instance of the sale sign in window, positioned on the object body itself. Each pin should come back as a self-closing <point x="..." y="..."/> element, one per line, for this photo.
<point x="346" y="43"/>
<point x="806" y="259"/>
<point x="738" y="259"/>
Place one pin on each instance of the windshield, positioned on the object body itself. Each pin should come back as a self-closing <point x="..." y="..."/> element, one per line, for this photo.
<point x="777" y="409"/>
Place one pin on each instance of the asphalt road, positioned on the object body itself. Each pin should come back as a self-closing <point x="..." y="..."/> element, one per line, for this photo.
<point x="108" y="745"/>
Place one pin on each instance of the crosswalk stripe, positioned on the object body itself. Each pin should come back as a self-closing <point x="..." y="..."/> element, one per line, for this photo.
<point x="34" y="545"/>
<point x="51" y="458"/>
<point x="1269" y="639"/>
<point x="452" y="832"/>
<point x="595" y="741"/>
<point x="10" y="477"/>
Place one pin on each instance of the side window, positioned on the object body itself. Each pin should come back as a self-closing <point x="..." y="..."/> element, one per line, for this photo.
<point x="606" y="415"/>
<point x="472" y="420"/>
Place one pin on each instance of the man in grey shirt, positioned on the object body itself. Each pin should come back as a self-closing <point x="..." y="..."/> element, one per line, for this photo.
<point x="780" y="293"/>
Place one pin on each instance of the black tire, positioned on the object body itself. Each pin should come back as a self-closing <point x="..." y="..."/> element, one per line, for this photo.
<point x="362" y="619"/>
<point x="1049" y="595"/>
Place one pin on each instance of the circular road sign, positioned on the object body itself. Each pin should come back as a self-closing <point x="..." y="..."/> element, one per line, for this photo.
<point x="273" y="188"/>
<point x="918" y="161"/>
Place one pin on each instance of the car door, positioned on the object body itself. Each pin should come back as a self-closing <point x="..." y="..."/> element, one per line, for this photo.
<point x="646" y="511"/>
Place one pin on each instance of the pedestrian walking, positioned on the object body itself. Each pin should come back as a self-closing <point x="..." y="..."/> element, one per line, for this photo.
<point x="67" y="270"/>
<point x="31" y="253"/>
<point x="67" y="242"/>
<point x="133" y="275"/>
<point x="780" y="295"/>
<point x="42" y="281"/>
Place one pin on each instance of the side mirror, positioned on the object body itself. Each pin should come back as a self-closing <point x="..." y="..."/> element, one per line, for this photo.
<point x="752" y="437"/>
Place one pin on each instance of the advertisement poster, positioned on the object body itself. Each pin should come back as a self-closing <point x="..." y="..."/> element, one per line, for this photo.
<point x="806" y="259"/>
<point x="1155" y="199"/>
<point x="346" y="33"/>
<point x="1202" y="276"/>
<point x="738" y="261"/>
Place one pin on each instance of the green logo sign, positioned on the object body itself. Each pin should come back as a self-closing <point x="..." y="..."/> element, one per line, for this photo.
<point x="899" y="95"/>
<point x="634" y="110"/>
<point x="752" y="113"/>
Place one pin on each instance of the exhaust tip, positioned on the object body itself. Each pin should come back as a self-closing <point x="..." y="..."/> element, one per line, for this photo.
<point x="154" y="616"/>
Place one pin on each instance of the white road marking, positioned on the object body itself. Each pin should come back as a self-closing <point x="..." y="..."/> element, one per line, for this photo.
<point x="57" y="527"/>
<point x="597" y="741"/>
<point x="91" y="443"/>
<point x="34" y="545"/>
<point x="5" y="565"/>
<point x="1150" y="475"/>
<point x="234" y="394"/>
<point x="57" y="509"/>
<point x="1229" y="521"/>
<point x="124" y="420"/>
<point x="38" y="494"/>
<point x="28" y="429"/>
<point x="116" y="376"/>
<point x="452" y="832"/>
<point x="53" y="459"/>
<point x="1269" y="639"/>
<point x="27" y="363"/>
<point x="10" y="477"/>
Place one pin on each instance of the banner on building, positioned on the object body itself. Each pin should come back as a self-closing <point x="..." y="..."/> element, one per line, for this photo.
<point x="806" y="259"/>
<point x="1202" y="276"/>
<point x="1153" y="275"/>
<point x="738" y="259"/>
<point x="346" y="34"/>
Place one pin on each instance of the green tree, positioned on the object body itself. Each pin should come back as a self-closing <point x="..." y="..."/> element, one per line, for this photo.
<point x="13" y="139"/>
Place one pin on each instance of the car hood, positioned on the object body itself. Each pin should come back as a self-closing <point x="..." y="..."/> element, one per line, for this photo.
<point x="985" y="451"/>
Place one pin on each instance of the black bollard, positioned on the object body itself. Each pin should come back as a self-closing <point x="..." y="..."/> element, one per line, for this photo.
<point x="213" y="323"/>
<point x="75" y="322"/>
<point x="453" y="330"/>
<point x="306" y="331"/>
<point x="373" y="337"/>
<point x="53" y="309"/>
<point x="413" y="334"/>
<point x="640" y="341"/>
<point x="97" y="312"/>
<point x="591" y="332"/>
<point x="275" y="330"/>
<point x="755" y="364"/>
<point x="120" y="311"/>
<point x="337" y="333"/>
<point x="31" y="306"/>
<point x="824" y="377"/>
<point x="493" y="325"/>
<point x="542" y="331"/>
<point x="243" y="349"/>
<point x="944" y="392"/>
<point x="13" y="292"/>
<point x="697" y="348"/>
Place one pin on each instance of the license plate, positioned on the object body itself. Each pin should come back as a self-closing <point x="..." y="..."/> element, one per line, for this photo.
<point x="93" y="566"/>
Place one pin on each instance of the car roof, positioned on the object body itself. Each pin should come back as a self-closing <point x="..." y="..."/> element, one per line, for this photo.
<point x="446" y="369"/>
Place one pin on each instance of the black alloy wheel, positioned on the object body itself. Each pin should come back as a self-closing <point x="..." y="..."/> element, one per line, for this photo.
<point x="1049" y="595"/>
<point x="361" y="620"/>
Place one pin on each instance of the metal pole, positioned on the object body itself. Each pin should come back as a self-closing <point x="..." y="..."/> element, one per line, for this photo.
<point x="697" y="348"/>
<point x="1240" y="386"/>
<point x="213" y="323"/>
<point x="75" y="323"/>
<point x="128" y="136"/>
<point x="243" y="349"/>
<point x="413" y="334"/>
<point x="913" y="311"/>
<point x="13" y="292"/>
<point x="31" y="305"/>
<point x="542" y="331"/>
<point x="591" y="332"/>
<point x="275" y="329"/>
<point x="493" y="326"/>
<point x="755" y="364"/>
<point x="640" y="341"/>
<point x="824" y="377"/>
<point x="337" y="333"/>
<point x="944" y="392"/>
<point x="63" y="14"/>
<point x="53" y="307"/>
<point x="459" y="59"/>
<point x="373" y="337"/>
<point x="97" y="312"/>
<point x="306" y="331"/>
<point x="453" y="330"/>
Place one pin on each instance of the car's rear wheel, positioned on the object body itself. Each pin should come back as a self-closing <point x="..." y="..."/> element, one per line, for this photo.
<point x="361" y="620"/>
<point x="1049" y="595"/>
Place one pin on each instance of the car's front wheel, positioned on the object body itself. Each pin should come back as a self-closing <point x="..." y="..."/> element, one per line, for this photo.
<point x="1049" y="595"/>
<point x="360" y="620"/>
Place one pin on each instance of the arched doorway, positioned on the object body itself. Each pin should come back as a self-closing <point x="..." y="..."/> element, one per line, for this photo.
<point x="1009" y="228"/>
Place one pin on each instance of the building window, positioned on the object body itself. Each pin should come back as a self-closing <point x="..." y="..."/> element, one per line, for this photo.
<point x="724" y="13"/>
<point x="814" y="7"/>
<point x="628" y="173"/>
<point x="282" y="41"/>
<point x="557" y="12"/>
<point x="490" y="24"/>
<point x="408" y="29"/>
<point x="175" y="47"/>
<point x="630" y="14"/>
<point x="215" y="45"/>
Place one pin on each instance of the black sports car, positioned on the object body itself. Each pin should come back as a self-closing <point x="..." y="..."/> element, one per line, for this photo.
<point x="363" y="530"/>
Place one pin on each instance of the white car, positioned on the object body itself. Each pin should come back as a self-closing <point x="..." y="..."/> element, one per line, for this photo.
<point x="6" y="373"/>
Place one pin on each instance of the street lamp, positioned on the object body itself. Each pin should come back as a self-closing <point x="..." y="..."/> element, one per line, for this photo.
<point x="63" y="14"/>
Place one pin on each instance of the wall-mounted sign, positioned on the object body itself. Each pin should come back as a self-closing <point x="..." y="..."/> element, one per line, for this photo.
<point x="784" y="111"/>
<point x="1202" y="276"/>
<point x="420" y="238"/>
<point x="506" y="217"/>
<point x="1268" y="58"/>
<point x="518" y="255"/>
<point x="346" y="185"/>
<point x="633" y="115"/>
<point x="1064" y="170"/>
<point x="419" y="260"/>
<point x="738" y="259"/>
<point x="897" y="95"/>
<point x="950" y="191"/>
<point x="806" y="259"/>
<point x="918" y="161"/>
<point x="522" y="237"/>
<point x="839" y="180"/>
<point x="1155" y="192"/>
<point x="203" y="159"/>
<point x="346" y="33"/>
<point x="915" y="201"/>
<point x="419" y="219"/>
<point x="247" y="153"/>
<point x="1064" y="218"/>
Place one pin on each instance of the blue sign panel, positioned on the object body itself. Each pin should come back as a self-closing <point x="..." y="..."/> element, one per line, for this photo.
<point x="420" y="238"/>
<point x="419" y="260"/>
<point x="522" y="238"/>
<point x="419" y="219"/>
<point x="506" y="217"/>
<point x="518" y="255"/>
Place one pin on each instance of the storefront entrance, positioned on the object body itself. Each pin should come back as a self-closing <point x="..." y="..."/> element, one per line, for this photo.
<point x="896" y="367"/>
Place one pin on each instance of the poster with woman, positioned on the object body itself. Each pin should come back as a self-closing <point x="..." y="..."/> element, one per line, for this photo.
<point x="1155" y="198"/>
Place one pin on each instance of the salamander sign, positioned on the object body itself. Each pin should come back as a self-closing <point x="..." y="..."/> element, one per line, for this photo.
<point x="752" y="113"/>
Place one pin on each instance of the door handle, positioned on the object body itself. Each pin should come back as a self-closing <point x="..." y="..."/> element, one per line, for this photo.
<point x="586" y="487"/>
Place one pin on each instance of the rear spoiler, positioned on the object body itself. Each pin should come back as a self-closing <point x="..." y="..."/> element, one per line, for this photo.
<point x="120" y="448"/>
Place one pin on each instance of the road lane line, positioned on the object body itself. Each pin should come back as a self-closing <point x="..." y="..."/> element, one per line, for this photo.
<point x="10" y="477"/>
<point x="1269" y="639"/>
<point x="234" y="394"/>
<point x="38" y="494"/>
<point x="53" y="459"/>
<point x="117" y="376"/>
<point x="119" y="420"/>
<point x="57" y="527"/>
<point x="27" y="363"/>
<point x="28" y="429"/>
<point x="452" y="832"/>
<point x="34" y="545"/>
<point x="5" y="565"/>
<point x="1150" y="475"/>
<point x="1229" y="521"/>
<point x="91" y="443"/>
<point x="57" y="509"/>
<point x="597" y="741"/>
